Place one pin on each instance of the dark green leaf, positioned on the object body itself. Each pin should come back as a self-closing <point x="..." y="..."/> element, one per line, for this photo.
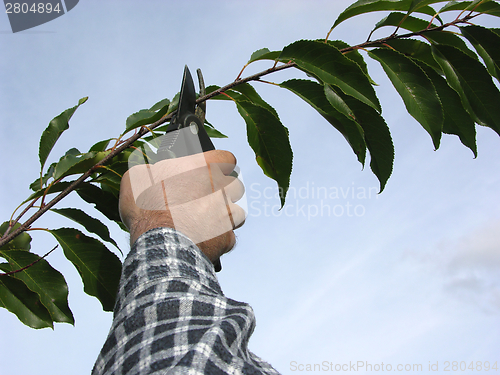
<point x="337" y="102"/>
<point x="147" y="116"/>
<point x="143" y="117"/>
<point x="377" y="137"/>
<point x="415" y="88"/>
<point x="52" y="133"/>
<point x="88" y="222"/>
<point x="353" y="55"/>
<point x="161" y="104"/>
<point x="227" y="95"/>
<point x="104" y="201"/>
<point x="42" y="279"/>
<point x="174" y="103"/>
<point x="100" y="146"/>
<point x="487" y="7"/>
<point x="212" y="132"/>
<point x="472" y="81"/>
<point x="25" y="304"/>
<point x="110" y="185"/>
<point x="450" y="39"/>
<point x="410" y="23"/>
<point x="75" y="164"/>
<point x="367" y="6"/>
<point x="36" y="185"/>
<point x="327" y="63"/>
<point x="269" y="140"/>
<point x="99" y="268"/>
<point x="417" y="4"/>
<point x="416" y="50"/>
<point x="55" y="188"/>
<point x="487" y="45"/>
<point x="21" y="242"/>
<point x="456" y="119"/>
<point x="112" y="174"/>
<point x="264" y="54"/>
<point x="313" y="93"/>
<point x="251" y="95"/>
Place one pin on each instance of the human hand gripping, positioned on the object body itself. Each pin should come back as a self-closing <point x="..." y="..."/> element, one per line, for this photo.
<point x="193" y="194"/>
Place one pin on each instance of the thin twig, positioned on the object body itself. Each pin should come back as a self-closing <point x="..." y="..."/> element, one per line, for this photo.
<point x="29" y="265"/>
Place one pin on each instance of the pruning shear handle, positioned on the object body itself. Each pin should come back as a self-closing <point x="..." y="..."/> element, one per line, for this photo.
<point x="186" y="134"/>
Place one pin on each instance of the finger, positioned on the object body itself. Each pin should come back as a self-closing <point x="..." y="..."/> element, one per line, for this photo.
<point x="238" y="215"/>
<point x="225" y="160"/>
<point x="234" y="189"/>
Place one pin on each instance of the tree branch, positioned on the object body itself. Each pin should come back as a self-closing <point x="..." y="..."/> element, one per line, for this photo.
<point x="29" y="265"/>
<point x="255" y="77"/>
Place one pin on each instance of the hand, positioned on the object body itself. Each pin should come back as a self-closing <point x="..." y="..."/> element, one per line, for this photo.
<point x="193" y="194"/>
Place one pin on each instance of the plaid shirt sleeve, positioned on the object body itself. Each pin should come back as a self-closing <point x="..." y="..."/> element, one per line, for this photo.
<point x="172" y="317"/>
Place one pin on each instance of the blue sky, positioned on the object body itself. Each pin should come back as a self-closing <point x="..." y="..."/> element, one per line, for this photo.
<point x="409" y="276"/>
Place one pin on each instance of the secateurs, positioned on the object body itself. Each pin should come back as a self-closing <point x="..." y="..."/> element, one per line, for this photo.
<point x="186" y="134"/>
<point x="178" y="142"/>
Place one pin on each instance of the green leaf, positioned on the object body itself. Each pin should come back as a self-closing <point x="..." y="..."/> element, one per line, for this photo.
<point x="113" y="172"/>
<point x="55" y="188"/>
<point x="88" y="222"/>
<point x="161" y="104"/>
<point x="212" y="88"/>
<point x="36" y="185"/>
<point x="472" y="81"/>
<point x="453" y="4"/>
<point x="99" y="268"/>
<point x="403" y="21"/>
<point x="353" y="55"/>
<point x="377" y="137"/>
<point x="367" y="6"/>
<point x="251" y="95"/>
<point x="104" y="201"/>
<point x="76" y="164"/>
<point x="327" y="63"/>
<point x="212" y="132"/>
<point x="42" y="279"/>
<point x="415" y="88"/>
<point x="313" y="93"/>
<point x="456" y="119"/>
<point x="417" y="4"/>
<point x="25" y="304"/>
<point x="100" y="146"/>
<point x="147" y="116"/>
<point x="264" y="54"/>
<point x="21" y="242"/>
<point x="269" y="140"/>
<point x="337" y="102"/>
<point x="487" y="45"/>
<point x="450" y="39"/>
<point x="416" y="50"/>
<point x="174" y="103"/>
<point x="487" y="7"/>
<point x="52" y="133"/>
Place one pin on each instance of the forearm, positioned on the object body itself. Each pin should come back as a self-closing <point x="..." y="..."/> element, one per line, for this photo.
<point x="170" y="308"/>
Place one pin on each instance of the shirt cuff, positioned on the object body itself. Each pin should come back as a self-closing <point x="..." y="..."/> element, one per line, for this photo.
<point x="164" y="254"/>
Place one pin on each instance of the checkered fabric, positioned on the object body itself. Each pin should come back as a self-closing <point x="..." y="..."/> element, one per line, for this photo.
<point x="171" y="316"/>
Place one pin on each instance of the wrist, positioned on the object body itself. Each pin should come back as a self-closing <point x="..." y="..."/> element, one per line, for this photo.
<point x="148" y="220"/>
